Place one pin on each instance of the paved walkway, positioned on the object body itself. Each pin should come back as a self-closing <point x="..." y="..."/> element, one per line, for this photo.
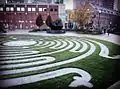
<point x="111" y="38"/>
<point x="115" y="86"/>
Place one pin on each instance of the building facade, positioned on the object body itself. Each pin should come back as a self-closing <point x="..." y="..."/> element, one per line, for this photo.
<point x="23" y="16"/>
<point x="25" y="12"/>
<point x="104" y="11"/>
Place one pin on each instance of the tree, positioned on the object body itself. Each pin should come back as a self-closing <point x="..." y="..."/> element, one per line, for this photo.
<point x="49" y="21"/>
<point x="82" y="16"/>
<point x="39" y="21"/>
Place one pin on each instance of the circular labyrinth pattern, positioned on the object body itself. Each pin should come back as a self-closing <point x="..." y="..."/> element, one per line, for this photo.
<point x="24" y="56"/>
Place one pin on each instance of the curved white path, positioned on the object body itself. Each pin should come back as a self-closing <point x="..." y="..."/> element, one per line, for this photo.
<point x="47" y="59"/>
<point x="62" y="45"/>
<point x="61" y="50"/>
<point x="58" y="44"/>
<point x="78" y="81"/>
<point x="20" y="54"/>
<point x="20" y="43"/>
<point x="105" y="51"/>
<point x="88" y="53"/>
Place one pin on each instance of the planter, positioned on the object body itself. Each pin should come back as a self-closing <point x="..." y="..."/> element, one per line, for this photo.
<point x="56" y="31"/>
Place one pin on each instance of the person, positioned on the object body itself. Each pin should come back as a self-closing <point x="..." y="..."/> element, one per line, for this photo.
<point x="104" y="29"/>
<point x="70" y="25"/>
<point x="65" y="25"/>
<point x="108" y="31"/>
<point x="2" y="28"/>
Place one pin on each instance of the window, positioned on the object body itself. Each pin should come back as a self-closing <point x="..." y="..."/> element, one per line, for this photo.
<point x="18" y="8"/>
<point x="96" y="9"/>
<point x="112" y="12"/>
<point x="104" y="10"/>
<point x="7" y="9"/>
<point x="59" y="1"/>
<point x="56" y="10"/>
<point x="11" y="9"/>
<point x="40" y="9"/>
<point x="29" y="9"/>
<point x="1" y="8"/>
<point x="51" y="9"/>
<point x="33" y="9"/>
<point x="44" y="9"/>
<point x="22" y="9"/>
<point x="101" y="9"/>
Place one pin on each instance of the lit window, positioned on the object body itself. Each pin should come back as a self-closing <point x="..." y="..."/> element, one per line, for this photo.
<point x="1" y="9"/>
<point x="22" y="9"/>
<point x="18" y="8"/>
<point x="29" y="9"/>
<point x="33" y="9"/>
<point x="11" y="9"/>
<point x="40" y="9"/>
<point x="30" y="21"/>
<point x="44" y="22"/>
<point x="7" y="9"/>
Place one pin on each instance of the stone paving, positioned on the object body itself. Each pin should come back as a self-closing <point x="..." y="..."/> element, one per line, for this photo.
<point x="111" y="38"/>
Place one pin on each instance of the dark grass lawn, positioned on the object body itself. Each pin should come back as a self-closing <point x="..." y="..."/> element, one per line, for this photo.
<point x="104" y="71"/>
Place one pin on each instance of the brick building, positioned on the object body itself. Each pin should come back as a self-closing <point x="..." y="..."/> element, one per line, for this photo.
<point x="103" y="10"/>
<point x="23" y="13"/>
<point x="21" y="16"/>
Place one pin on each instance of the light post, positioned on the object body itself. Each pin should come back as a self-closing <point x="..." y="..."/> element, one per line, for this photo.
<point x="99" y="13"/>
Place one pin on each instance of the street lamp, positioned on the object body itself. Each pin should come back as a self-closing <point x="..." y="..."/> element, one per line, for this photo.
<point x="99" y="12"/>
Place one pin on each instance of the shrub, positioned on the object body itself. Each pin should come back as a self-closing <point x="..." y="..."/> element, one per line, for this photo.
<point x="49" y="21"/>
<point x="2" y="28"/>
<point x="57" y="25"/>
<point x="39" y="21"/>
<point x="54" y="25"/>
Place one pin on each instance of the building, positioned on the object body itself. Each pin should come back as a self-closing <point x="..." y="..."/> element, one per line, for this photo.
<point x="117" y="5"/>
<point x="102" y="9"/>
<point x="108" y="4"/>
<point x="104" y="12"/>
<point x="2" y="1"/>
<point x="23" y="16"/>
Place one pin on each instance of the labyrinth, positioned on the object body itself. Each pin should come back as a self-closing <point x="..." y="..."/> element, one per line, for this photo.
<point x="52" y="62"/>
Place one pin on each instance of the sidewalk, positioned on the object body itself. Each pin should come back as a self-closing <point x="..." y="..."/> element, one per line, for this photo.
<point x="111" y="38"/>
<point x="115" y="86"/>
